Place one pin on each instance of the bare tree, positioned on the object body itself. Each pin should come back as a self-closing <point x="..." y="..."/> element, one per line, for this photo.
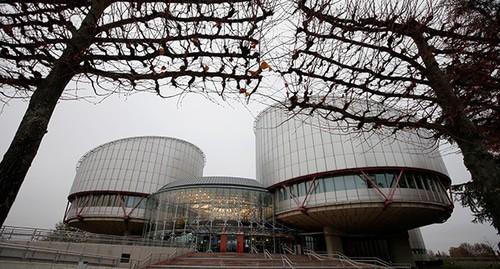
<point x="166" y="47"/>
<point x="472" y="250"/>
<point x="407" y="65"/>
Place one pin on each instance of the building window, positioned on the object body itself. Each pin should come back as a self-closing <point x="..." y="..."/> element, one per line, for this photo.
<point x="125" y="258"/>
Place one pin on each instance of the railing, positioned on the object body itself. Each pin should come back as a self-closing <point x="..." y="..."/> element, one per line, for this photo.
<point x="344" y="259"/>
<point x="378" y="261"/>
<point x="15" y="242"/>
<point x="253" y="249"/>
<point x="153" y="258"/>
<point x="267" y="254"/>
<point x="287" y="262"/>
<point x="313" y="254"/>
<point x="146" y="261"/>
<point x="8" y="233"/>
<point x="333" y="256"/>
<point x="289" y="250"/>
<point x="26" y="252"/>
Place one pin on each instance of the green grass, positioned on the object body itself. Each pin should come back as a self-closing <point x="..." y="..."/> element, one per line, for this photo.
<point x="469" y="265"/>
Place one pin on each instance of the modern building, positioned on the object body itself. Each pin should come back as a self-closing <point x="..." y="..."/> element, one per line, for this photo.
<point x="319" y="186"/>
<point x="220" y="214"/>
<point x="113" y="181"/>
<point x="358" y="192"/>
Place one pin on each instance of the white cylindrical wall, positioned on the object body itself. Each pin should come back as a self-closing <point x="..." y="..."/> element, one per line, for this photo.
<point x="290" y="146"/>
<point x="324" y="173"/>
<point x="138" y="165"/>
<point x="113" y="181"/>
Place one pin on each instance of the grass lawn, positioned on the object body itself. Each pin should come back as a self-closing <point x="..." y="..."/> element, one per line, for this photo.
<point x="460" y="264"/>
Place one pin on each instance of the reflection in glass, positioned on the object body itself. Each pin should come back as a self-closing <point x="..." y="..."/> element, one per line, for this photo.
<point x="351" y="181"/>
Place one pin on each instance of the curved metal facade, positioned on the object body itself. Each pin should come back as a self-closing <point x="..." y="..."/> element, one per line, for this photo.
<point x="323" y="174"/>
<point x="290" y="146"/>
<point x="113" y="180"/>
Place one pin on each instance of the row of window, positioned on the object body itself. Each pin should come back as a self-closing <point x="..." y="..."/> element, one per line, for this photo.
<point x="109" y="200"/>
<point x="209" y="204"/>
<point x="381" y="179"/>
<point x="216" y="197"/>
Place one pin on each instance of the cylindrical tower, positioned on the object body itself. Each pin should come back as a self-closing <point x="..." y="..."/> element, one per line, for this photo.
<point x="113" y="181"/>
<point x="418" y="246"/>
<point x="326" y="177"/>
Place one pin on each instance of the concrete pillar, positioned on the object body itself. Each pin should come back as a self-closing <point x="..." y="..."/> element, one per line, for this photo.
<point x="399" y="248"/>
<point x="333" y="240"/>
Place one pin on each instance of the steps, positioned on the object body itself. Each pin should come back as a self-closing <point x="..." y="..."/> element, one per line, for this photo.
<point x="246" y="260"/>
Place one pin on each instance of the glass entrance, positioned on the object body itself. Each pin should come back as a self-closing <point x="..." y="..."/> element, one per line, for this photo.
<point x="232" y="243"/>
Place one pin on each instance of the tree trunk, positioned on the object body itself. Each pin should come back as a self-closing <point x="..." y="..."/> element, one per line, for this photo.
<point x="23" y="148"/>
<point x="485" y="172"/>
<point x="479" y="161"/>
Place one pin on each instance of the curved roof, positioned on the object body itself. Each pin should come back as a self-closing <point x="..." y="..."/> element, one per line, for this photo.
<point x="214" y="181"/>
<point x="138" y="137"/>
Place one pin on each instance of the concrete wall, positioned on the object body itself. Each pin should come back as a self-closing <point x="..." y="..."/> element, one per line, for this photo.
<point x="39" y="265"/>
<point x="65" y="252"/>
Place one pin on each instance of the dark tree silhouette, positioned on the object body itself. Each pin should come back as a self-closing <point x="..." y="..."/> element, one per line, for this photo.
<point x="407" y="65"/>
<point x="208" y="47"/>
<point x="472" y="250"/>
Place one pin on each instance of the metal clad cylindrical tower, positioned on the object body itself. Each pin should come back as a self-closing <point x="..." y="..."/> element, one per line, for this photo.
<point x="324" y="173"/>
<point x="112" y="181"/>
<point x="291" y="146"/>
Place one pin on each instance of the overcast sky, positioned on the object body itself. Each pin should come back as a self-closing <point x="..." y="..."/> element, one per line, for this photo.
<point x="224" y="132"/>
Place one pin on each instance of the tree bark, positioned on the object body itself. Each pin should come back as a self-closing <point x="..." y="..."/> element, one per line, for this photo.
<point x="24" y="146"/>
<point x="481" y="163"/>
<point x="485" y="172"/>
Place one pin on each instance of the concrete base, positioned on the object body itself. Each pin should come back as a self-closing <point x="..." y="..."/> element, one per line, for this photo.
<point x="5" y="264"/>
<point x="333" y="240"/>
<point x="399" y="248"/>
<point x="62" y="255"/>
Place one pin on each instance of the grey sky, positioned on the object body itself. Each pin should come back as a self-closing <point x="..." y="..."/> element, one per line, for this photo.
<point x="224" y="132"/>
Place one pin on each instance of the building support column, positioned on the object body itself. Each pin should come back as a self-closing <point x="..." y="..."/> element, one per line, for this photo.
<point x="333" y="240"/>
<point x="399" y="248"/>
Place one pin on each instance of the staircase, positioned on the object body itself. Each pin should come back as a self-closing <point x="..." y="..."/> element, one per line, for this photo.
<point x="247" y="260"/>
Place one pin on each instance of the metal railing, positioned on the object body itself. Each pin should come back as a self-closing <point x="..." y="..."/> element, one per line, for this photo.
<point x="313" y="254"/>
<point x="22" y="243"/>
<point x="11" y="233"/>
<point x="253" y="249"/>
<point x="267" y="254"/>
<point x="287" y="262"/>
<point x="289" y="250"/>
<point x="333" y="256"/>
<point x="35" y="253"/>
<point x="380" y="262"/>
<point x="157" y="257"/>
<point x="358" y="262"/>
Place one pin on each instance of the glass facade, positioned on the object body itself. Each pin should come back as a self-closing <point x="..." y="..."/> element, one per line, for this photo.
<point x="356" y="180"/>
<point x="216" y="214"/>
<point x="111" y="200"/>
<point x="360" y="186"/>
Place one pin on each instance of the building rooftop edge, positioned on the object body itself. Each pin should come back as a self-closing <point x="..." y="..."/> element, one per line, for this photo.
<point x="137" y="137"/>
